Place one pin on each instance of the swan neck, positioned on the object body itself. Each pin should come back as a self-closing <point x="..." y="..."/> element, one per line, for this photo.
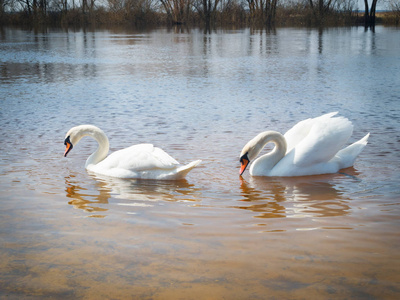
<point x="269" y="160"/>
<point x="103" y="148"/>
<point x="276" y="138"/>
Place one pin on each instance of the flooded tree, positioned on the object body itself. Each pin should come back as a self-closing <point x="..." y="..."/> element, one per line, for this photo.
<point x="329" y="11"/>
<point x="131" y="11"/>
<point x="207" y="10"/>
<point x="190" y="12"/>
<point x="320" y="8"/>
<point x="262" y="11"/>
<point x="395" y="5"/>
<point x="178" y="11"/>
<point x="369" y="14"/>
<point x="2" y="5"/>
<point x="35" y="9"/>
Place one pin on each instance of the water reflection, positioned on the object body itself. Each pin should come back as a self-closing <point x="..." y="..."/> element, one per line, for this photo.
<point x="267" y="204"/>
<point x="82" y="198"/>
<point x="126" y="192"/>
<point x="297" y="197"/>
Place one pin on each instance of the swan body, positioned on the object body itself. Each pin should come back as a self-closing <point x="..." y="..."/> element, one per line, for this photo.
<point x="311" y="147"/>
<point x="142" y="161"/>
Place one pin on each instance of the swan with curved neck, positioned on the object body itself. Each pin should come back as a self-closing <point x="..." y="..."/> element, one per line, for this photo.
<point x="139" y="161"/>
<point x="311" y="147"/>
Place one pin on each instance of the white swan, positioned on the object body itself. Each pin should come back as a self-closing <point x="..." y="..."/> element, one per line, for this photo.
<point x="311" y="147"/>
<point x="139" y="161"/>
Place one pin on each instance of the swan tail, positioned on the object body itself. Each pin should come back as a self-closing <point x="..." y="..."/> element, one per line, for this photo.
<point x="184" y="170"/>
<point x="348" y="155"/>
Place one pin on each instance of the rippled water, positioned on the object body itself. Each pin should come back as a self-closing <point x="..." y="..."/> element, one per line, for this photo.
<point x="69" y="234"/>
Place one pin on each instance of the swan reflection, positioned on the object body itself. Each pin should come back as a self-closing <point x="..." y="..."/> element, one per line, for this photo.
<point x="127" y="192"/>
<point x="83" y="198"/>
<point x="267" y="204"/>
<point x="295" y="197"/>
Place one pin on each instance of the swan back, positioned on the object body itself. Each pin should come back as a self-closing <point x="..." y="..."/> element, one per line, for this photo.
<point x="325" y="138"/>
<point x="142" y="161"/>
<point x="314" y="146"/>
<point x="299" y="131"/>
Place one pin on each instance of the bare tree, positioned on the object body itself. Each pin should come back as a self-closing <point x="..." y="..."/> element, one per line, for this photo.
<point x="115" y="5"/>
<point x="270" y="11"/>
<point x="2" y="9"/>
<point x="36" y="9"/>
<point x="85" y="6"/>
<point x="395" y="6"/>
<point x="369" y="14"/>
<point x="207" y="10"/>
<point x="263" y="11"/>
<point x="178" y="11"/>
<point x="320" y="8"/>
<point x="232" y="11"/>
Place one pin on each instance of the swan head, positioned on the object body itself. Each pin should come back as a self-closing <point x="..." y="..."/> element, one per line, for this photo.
<point x="253" y="148"/>
<point x="71" y="138"/>
<point x="75" y="134"/>
<point x="250" y="152"/>
<point x="68" y="145"/>
<point x="244" y="162"/>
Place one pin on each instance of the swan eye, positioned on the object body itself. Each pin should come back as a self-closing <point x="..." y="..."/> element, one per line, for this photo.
<point x="67" y="141"/>
<point x="244" y="157"/>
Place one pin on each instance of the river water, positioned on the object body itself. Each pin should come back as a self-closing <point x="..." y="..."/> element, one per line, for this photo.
<point x="198" y="95"/>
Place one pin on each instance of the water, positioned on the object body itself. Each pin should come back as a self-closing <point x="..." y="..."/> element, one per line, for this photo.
<point x="69" y="234"/>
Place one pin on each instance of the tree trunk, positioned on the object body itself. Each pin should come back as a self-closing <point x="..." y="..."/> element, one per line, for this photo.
<point x="372" y="12"/>
<point x="270" y="12"/>
<point x="369" y="15"/>
<point x="1" y="10"/>
<point x="168" y="9"/>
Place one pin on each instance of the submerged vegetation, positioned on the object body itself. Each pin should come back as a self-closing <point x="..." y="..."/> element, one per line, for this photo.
<point x="195" y="12"/>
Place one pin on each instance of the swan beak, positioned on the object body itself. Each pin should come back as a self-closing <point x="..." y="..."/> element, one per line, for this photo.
<point x="244" y="161"/>
<point x="68" y="145"/>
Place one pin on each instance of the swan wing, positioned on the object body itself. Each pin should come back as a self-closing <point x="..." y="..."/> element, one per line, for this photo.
<point x="139" y="158"/>
<point x="324" y="139"/>
<point x="301" y="130"/>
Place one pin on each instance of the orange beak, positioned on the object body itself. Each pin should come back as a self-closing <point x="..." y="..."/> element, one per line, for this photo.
<point x="67" y="149"/>
<point x="68" y="145"/>
<point x="244" y="163"/>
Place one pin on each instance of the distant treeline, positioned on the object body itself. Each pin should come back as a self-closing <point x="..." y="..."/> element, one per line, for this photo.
<point x="194" y="12"/>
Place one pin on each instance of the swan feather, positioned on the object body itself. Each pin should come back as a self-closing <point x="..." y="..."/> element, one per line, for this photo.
<point x="313" y="146"/>
<point x="138" y="161"/>
<point x="325" y="138"/>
